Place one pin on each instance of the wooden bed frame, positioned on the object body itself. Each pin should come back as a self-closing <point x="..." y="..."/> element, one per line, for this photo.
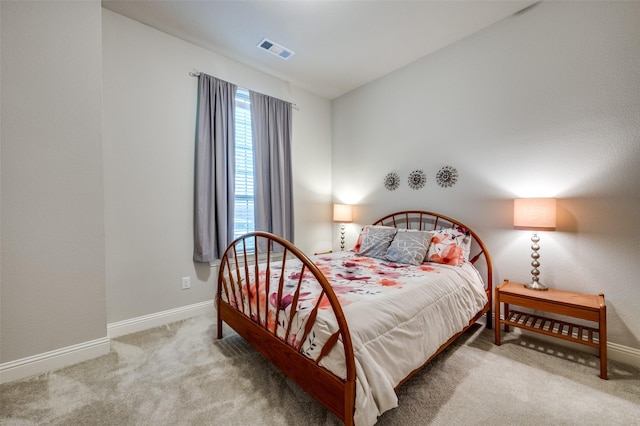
<point x="335" y="393"/>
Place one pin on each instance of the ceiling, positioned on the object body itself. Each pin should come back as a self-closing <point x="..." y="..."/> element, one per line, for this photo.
<point x="338" y="45"/>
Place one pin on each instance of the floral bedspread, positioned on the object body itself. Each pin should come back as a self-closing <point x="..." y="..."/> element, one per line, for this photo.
<point x="398" y="316"/>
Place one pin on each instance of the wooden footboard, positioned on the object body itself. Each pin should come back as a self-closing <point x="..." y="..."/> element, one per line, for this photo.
<point x="240" y="282"/>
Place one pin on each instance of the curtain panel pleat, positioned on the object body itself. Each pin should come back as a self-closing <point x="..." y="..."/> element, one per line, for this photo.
<point x="271" y="126"/>
<point x="214" y="168"/>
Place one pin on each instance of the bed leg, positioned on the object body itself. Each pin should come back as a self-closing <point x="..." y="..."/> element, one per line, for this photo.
<point x="489" y="324"/>
<point x="219" y="329"/>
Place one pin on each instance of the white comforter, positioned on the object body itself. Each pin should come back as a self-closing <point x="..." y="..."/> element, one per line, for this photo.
<point x="396" y="333"/>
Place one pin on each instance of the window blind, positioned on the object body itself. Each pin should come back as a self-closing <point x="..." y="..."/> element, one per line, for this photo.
<point x="244" y="188"/>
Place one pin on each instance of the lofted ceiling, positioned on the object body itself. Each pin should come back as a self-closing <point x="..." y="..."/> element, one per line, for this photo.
<point x="338" y="45"/>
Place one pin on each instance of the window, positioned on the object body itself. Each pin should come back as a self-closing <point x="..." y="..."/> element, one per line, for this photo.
<point x="243" y="220"/>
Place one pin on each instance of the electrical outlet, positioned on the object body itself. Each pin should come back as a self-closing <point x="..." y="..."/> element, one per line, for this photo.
<point x="186" y="283"/>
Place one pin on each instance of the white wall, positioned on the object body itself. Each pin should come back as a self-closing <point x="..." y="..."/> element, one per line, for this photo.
<point x="545" y="103"/>
<point x="53" y="258"/>
<point x="149" y="121"/>
<point x="97" y="222"/>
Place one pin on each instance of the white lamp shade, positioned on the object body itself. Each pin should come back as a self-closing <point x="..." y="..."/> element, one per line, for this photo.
<point x="342" y="213"/>
<point x="534" y="213"/>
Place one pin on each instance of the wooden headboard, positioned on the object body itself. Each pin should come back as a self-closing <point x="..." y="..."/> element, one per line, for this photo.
<point x="426" y="221"/>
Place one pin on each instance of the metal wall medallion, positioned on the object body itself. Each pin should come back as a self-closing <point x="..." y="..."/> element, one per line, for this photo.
<point x="447" y="176"/>
<point x="392" y="181"/>
<point x="417" y="179"/>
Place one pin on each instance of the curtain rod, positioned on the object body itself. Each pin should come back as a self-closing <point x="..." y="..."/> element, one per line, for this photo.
<point x="196" y="73"/>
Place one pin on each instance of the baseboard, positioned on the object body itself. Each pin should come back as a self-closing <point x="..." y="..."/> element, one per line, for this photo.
<point x="623" y="354"/>
<point x="157" y="319"/>
<point x="53" y="360"/>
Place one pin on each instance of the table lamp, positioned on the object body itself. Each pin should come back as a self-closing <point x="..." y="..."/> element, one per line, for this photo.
<point x="535" y="214"/>
<point x="342" y="214"/>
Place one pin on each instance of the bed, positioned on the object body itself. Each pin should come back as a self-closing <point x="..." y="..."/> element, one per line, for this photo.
<point x="350" y="327"/>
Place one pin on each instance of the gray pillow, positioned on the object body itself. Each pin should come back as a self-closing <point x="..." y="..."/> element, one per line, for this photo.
<point x="376" y="240"/>
<point x="409" y="246"/>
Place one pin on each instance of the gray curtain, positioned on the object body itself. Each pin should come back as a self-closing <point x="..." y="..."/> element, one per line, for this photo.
<point x="271" y="127"/>
<point x="214" y="168"/>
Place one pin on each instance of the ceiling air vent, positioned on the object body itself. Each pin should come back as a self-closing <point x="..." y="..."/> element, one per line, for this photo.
<point x="276" y="49"/>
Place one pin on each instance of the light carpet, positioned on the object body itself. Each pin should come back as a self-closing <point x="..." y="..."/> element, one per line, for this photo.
<point x="180" y="374"/>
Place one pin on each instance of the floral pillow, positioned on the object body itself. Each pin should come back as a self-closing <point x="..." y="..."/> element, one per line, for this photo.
<point x="409" y="246"/>
<point x="375" y="240"/>
<point x="450" y="246"/>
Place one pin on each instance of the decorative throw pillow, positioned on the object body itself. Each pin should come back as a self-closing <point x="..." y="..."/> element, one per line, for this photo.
<point x="409" y="246"/>
<point x="358" y="245"/>
<point x="450" y="246"/>
<point x="375" y="240"/>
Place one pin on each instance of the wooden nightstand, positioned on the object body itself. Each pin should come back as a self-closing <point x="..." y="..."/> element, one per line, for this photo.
<point x="577" y="305"/>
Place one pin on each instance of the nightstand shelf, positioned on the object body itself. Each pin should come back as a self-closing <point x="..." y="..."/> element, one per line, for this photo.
<point x="553" y="327"/>
<point x="564" y="303"/>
